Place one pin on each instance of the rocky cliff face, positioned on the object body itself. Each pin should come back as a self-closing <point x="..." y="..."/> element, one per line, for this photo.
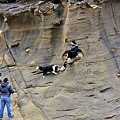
<point x="88" y="89"/>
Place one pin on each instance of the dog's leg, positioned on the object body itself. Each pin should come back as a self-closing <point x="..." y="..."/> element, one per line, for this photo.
<point x="54" y="72"/>
<point x="44" y="73"/>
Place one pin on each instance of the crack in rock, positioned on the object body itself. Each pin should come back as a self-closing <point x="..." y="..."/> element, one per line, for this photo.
<point x="105" y="88"/>
<point x="109" y="117"/>
<point x="69" y="109"/>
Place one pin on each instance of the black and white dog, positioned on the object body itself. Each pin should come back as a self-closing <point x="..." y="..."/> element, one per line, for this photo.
<point x="48" y="69"/>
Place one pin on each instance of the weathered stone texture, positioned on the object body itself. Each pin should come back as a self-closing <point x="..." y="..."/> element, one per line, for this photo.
<point x="88" y="89"/>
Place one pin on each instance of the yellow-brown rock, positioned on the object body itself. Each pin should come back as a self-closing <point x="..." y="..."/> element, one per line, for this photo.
<point x="88" y="89"/>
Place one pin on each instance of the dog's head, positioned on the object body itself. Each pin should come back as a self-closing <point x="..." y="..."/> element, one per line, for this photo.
<point x="39" y="68"/>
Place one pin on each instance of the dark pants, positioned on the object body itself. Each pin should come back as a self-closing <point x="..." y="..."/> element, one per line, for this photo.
<point x="71" y="54"/>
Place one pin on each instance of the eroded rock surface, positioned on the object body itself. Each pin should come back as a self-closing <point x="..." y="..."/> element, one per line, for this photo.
<point x="88" y="89"/>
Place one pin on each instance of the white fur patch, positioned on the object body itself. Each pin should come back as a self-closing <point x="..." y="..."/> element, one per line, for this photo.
<point x="37" y="68"/>
<point x="53" y="67"/>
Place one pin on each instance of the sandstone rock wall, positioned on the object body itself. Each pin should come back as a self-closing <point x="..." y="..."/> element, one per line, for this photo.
<point x="88" y="89"/>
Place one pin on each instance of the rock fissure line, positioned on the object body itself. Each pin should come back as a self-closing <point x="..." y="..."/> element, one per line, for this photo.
<point x="9" y="48"/>
<point x="110" y="117"/>
<point x="69" y="109"/>
<point x="65" y="116"/>
<point x="115" y="19"/>
<point x="40" y="110"/>
<point x="117" y="28"/>
<point x="65" y="25"/>
<point x="105" y="40"/>
<point x="103" y="35"/>
<point x="15" y="88"/>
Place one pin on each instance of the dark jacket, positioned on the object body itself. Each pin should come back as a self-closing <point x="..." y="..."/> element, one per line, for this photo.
<point x="74" y="49"/>
<point x="6" y="89"/>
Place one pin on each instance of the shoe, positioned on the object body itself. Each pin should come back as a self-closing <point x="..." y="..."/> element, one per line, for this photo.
<point x="62" y="68"/>
<point x="69" y="60"/>
<point x="11" y="117"/>
<point x="77" y="56"/>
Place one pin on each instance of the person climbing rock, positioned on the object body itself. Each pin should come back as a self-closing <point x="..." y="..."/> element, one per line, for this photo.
<point x="6" y="90"/>
<point x="73" y="52"/>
